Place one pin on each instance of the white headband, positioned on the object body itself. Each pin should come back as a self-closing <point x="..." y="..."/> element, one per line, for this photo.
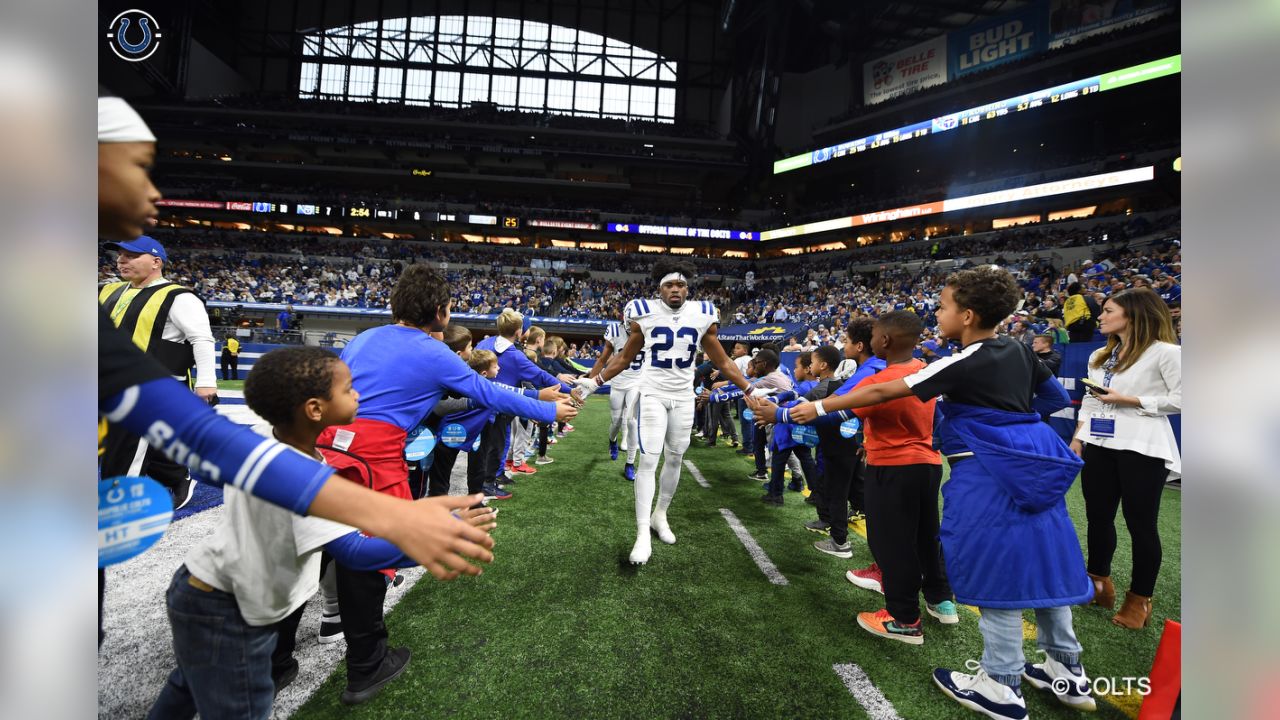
<point x="119" y="123"/>
<point x="672" y="276"/>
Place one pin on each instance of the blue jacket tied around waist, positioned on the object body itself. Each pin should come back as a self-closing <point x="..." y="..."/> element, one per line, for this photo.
<point x="1007" y="539"/>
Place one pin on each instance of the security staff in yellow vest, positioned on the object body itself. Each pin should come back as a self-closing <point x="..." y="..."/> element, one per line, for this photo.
<point x="230" y="358"/>
<point x="170" y="323"/>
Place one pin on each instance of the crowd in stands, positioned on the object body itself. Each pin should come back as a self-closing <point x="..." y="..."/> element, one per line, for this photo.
<point x="249" y="267"/>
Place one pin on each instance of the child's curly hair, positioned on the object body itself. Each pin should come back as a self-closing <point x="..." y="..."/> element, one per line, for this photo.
<point x="989" y="291"/>
<point x="284" y="380"/>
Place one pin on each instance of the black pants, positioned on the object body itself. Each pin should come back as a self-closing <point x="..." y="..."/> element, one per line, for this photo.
<point x="1133" y="482"/>
<point x="489" y="458"/>
<point x="759" y="443"/>
<point x="902" y="531"/>
<point x="439" y="475"/>
<point x="360" y="595"/>
<point x="718" y="420"/>
<point x="282" y="660"/>
<point x="230" y="366"/>
<point x="840" y="463"/>
<point x="544" y="429"/>
<point x="127" y="454"/>
<point x="857" y="490"/>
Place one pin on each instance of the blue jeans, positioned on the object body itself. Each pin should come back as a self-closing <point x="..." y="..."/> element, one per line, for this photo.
<point x="1002" y="656"/>
<point x="224" y="664"/>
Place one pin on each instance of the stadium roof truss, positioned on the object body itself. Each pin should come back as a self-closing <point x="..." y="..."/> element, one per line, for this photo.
<point x="456" y="60"/>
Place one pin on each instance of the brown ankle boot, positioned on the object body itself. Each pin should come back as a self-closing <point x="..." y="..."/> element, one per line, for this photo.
<point x="1104" y="593"/>
<point x="1135" y="613"/>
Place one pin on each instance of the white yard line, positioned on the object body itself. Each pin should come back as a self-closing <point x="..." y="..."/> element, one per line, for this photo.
<point x="697" y="474"/>
<point x="866" y="693"/>
<point x="753" y="548"/>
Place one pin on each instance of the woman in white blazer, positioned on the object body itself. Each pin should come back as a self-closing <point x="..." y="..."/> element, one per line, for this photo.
<point x="1127" y="444"/>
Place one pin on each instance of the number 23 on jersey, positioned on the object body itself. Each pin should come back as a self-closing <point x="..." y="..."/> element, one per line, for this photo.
<point x="661" y="352"/>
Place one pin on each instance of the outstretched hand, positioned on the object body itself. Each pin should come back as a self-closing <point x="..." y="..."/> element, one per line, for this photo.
<point x="483" y="517"/>
<point x="428" y="531"/>
<point x="803" y="413"/>
<point x="566" y="410"/>
<point x="552" y="394"/>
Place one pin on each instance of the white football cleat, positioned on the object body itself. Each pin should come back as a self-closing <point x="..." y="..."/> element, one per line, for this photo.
<point x="660" y="526"/>
<point x="641" y="551"/>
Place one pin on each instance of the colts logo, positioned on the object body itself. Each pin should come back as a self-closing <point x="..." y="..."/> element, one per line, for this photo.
<point x="133" y="35"/>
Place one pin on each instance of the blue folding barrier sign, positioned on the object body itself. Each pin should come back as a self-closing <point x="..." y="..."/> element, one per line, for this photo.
<point x="420" y="444"/>
<point x="453" y="435"/>
<point x="850" y="427"/>
<point x="133" y="513"/>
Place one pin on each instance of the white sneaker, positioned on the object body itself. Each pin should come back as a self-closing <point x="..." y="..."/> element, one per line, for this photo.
<point x="660" y="526"/>
<point x="1071" y="688"/>
<point x="980" y="693"/>
<point x="544" y="460"/>
<point x="641" y="551"/>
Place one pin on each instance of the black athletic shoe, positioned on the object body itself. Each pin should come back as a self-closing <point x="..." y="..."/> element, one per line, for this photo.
<point x="284" y="677"/>
<point x="183" y="492"/>
<point x="757" y="475"/>
<point x="794" y="486"/>
<point x="330" y="630"/>
<point x="771" y="499"/>
<point x="393" y="665"/>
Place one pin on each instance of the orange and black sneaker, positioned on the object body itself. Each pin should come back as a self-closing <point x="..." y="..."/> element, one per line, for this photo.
<point x="882" y="623"/>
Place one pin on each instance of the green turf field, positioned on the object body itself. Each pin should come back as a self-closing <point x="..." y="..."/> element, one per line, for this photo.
<point x="230" y="384"/>
<point x="558" y="626"/>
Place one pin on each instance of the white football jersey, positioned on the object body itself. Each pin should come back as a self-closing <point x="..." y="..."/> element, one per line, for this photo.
<point x="671" y="342"/>
<point x="616" y="335"/>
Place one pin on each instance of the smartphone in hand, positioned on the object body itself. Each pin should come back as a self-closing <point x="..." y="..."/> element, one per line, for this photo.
<point x="1093" y="387"/>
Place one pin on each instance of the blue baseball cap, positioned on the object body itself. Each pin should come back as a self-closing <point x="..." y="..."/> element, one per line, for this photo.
<point x="144" y="244"/>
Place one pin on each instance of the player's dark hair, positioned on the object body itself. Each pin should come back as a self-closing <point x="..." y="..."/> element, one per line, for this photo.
<point x="281" y="381"/>
<point x="766" y="361"/>
<point x="829" y="355"/>
<point x="805" y="358"/>
<point x="420" y="296"/>
<point x="859" y="330"/>
<point x="902" y="324"/>
<point x="667" y="266"/>
<point x="990" y="292"/>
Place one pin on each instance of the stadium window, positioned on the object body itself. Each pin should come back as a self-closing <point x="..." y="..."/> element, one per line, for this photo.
<point x="333" y="78"/>
<point x="503" y="92"/>
<point x="560" y="94"/>
<point x="447" y="86"/>
<point x="667" y="104"/>
<point x="470" y="48"/>
<point x="475" y="88"/>
<point x="360" y="82"/>
<point x="586" y="98"/>
<point x="642" y="101"/>
<point x="532" y="93"/>
<point x="309" y="80"/>
<point x="615" y="100"/>
<point x="389" y="79"/>
<point x="417" y="87"/>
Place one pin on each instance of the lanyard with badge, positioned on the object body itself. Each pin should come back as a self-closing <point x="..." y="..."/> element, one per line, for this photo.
<point x="1102" y="423"/>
